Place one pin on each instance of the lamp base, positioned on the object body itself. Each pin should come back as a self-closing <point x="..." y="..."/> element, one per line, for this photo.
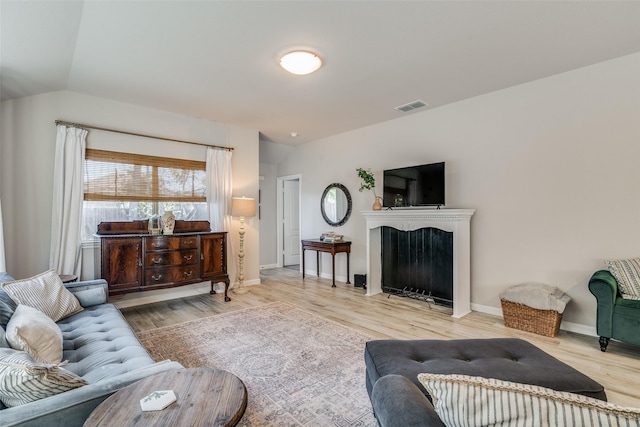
<point x="240" y="290"/>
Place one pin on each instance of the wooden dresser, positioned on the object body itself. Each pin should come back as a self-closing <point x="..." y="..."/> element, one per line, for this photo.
<point x="134" y="260"/>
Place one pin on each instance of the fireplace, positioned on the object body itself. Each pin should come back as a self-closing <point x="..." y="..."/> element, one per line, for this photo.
<point x="457" y="222"/>
<point x="418" y="264"/>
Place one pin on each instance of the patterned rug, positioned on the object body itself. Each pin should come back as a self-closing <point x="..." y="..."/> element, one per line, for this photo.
<point x="299" y="369"/>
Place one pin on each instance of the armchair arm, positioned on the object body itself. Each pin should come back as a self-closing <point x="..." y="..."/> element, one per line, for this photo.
<point x="605" y="288"/>
<point x="397" y="401"/>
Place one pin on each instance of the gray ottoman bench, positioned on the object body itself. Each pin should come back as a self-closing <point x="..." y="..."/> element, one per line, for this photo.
<point x="398" y="398"/>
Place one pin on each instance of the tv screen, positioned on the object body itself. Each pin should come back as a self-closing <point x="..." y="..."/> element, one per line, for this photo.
<point x="421" y="185"/>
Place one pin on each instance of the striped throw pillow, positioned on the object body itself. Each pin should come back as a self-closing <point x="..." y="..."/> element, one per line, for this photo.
<point x="627" y="274"/>
<point x="44" y="292"/>
<point x="22" y="380"/>
<point x="462" y="400"/>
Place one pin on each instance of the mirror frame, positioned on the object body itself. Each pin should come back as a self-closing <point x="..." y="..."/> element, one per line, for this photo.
<point x="349" y="204"/>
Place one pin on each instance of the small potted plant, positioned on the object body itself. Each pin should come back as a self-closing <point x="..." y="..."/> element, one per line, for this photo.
<point x="369" y="183"/>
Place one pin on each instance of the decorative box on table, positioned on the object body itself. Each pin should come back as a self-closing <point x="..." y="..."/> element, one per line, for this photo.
<point x="534" y="307"/>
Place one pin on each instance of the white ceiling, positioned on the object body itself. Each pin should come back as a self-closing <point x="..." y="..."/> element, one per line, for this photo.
<point x="219" y="60"/>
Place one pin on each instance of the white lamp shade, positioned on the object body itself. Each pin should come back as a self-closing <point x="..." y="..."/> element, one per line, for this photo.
<point x="300" y="62"/>
<point x="243" y="206"/>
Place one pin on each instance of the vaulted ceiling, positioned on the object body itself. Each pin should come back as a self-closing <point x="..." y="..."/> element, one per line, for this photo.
<point x="219" y="59"/>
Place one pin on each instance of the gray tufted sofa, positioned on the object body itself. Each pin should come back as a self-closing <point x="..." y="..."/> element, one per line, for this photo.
<point x="398" y="398"/>
<point x="100" y="347"/>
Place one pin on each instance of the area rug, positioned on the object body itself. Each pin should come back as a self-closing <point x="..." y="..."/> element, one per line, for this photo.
<point x="299" y="369"/>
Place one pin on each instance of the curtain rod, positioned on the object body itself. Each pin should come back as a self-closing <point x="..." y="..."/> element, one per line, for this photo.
<point x="80" y="125"/>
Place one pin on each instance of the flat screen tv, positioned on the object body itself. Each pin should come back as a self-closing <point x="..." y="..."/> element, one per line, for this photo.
<point x="421" y="185"/>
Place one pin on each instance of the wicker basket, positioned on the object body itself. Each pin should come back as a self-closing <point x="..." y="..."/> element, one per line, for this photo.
<point x="525" y="318"/>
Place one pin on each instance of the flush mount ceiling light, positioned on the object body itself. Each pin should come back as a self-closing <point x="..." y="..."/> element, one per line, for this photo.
<point x="300" y="62"/>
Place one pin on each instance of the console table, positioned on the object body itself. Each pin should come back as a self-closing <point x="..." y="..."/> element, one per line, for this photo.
<point x="329" y="247"/>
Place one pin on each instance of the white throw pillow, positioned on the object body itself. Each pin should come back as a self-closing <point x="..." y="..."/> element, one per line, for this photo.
<point x="22" y="380"/>
<point x="46" y="293"/>
<point x="462" y="400"/>
<point x="627" y="274"/>
<point x="33" y="331"/>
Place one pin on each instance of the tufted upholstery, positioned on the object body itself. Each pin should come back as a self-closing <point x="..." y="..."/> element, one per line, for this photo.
<point x="99" y="344"/>
<point x="508" y="359"/>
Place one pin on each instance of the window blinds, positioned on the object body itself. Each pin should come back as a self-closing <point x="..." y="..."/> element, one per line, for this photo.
<point x="117" y="176"/>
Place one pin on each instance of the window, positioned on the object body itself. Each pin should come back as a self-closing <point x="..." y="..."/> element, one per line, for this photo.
<point x="127" y="187"/>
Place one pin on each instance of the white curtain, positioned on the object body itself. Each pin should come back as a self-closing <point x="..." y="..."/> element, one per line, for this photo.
<point x="3" y="266"/>
<point x="219" y="199"/>
<point x="66" y="213"/>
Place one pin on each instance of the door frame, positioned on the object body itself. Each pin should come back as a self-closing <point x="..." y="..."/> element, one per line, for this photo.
<point x="280" y="214"/>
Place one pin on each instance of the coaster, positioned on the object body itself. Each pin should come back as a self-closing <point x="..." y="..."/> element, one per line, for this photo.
<point x="157" y="400"/>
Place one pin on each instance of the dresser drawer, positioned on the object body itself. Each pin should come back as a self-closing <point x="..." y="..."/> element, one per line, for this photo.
<point x="159" y="276"/>
<point x="171" y="242"/>
<point x="170" y="258"/>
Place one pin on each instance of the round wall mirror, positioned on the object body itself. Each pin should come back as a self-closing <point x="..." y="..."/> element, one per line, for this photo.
<point x="335" y="204"/>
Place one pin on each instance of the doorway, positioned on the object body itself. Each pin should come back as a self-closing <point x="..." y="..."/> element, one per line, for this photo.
<point x="289" y="224"/>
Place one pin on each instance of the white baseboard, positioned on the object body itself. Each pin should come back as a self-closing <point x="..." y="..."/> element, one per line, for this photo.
<point x="252" y="282"/>
<point x="565" y="326"/>
<point x="264" y="267"/>
<point x="495" y="311"/>
<point x="312" y="273"/>
<point x="147" y="297"/>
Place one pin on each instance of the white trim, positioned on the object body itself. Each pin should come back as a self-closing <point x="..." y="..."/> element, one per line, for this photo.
<point x="313" y="273"/>
<point x="565" y="326"/>
<point x="280" y="213"/>
<point x="147" y="297"/>
<point x="267" y="266"/>
<point x="457" y="221"/>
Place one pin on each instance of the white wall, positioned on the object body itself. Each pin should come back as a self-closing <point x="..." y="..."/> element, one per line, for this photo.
<point x="27" y="137"/>
<point x="551" y="167"/>
<point x="268" y="217"/>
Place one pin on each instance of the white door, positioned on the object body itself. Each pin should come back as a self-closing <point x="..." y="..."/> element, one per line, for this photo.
<point x="291" y="222"/>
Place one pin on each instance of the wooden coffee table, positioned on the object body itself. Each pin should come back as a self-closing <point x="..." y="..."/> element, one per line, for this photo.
<point x="205" y="397"/>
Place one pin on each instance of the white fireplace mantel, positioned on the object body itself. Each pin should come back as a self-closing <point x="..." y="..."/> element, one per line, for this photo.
<point x="457" y="221"/>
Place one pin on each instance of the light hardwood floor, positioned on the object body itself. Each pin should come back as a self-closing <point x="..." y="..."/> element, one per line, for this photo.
<point x="381" y="316"/>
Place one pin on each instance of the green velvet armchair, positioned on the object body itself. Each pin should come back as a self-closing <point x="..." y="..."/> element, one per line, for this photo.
<point x="618" y="318"/>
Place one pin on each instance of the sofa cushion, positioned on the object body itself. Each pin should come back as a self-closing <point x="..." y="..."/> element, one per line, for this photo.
<point x="93" y="296"/>
<point x="23" y="380"/>
<point x="508" y="359"/>
<point x="33" y="331"/>
<point x="627" y="274"/>
<point x="98" y="344"/>
<point x="46" y="293"/>
<point x="462" y="400"/>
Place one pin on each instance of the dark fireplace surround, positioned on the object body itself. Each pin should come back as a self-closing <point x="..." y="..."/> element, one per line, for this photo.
<point x="418" y="263"/>
<point x="454" y="221"/>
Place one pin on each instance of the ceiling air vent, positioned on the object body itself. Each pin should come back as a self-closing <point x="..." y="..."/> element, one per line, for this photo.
<point x="411" y="106"/>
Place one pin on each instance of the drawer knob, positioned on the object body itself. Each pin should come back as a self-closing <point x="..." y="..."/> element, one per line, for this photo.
<point x="187" y="242"/>
<point x="156" y="260"/>
<point x="188" y="257"/>
<point x="155" y="245"/>
<point x="156" y="278"/>
<point x="188" y="274"/>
